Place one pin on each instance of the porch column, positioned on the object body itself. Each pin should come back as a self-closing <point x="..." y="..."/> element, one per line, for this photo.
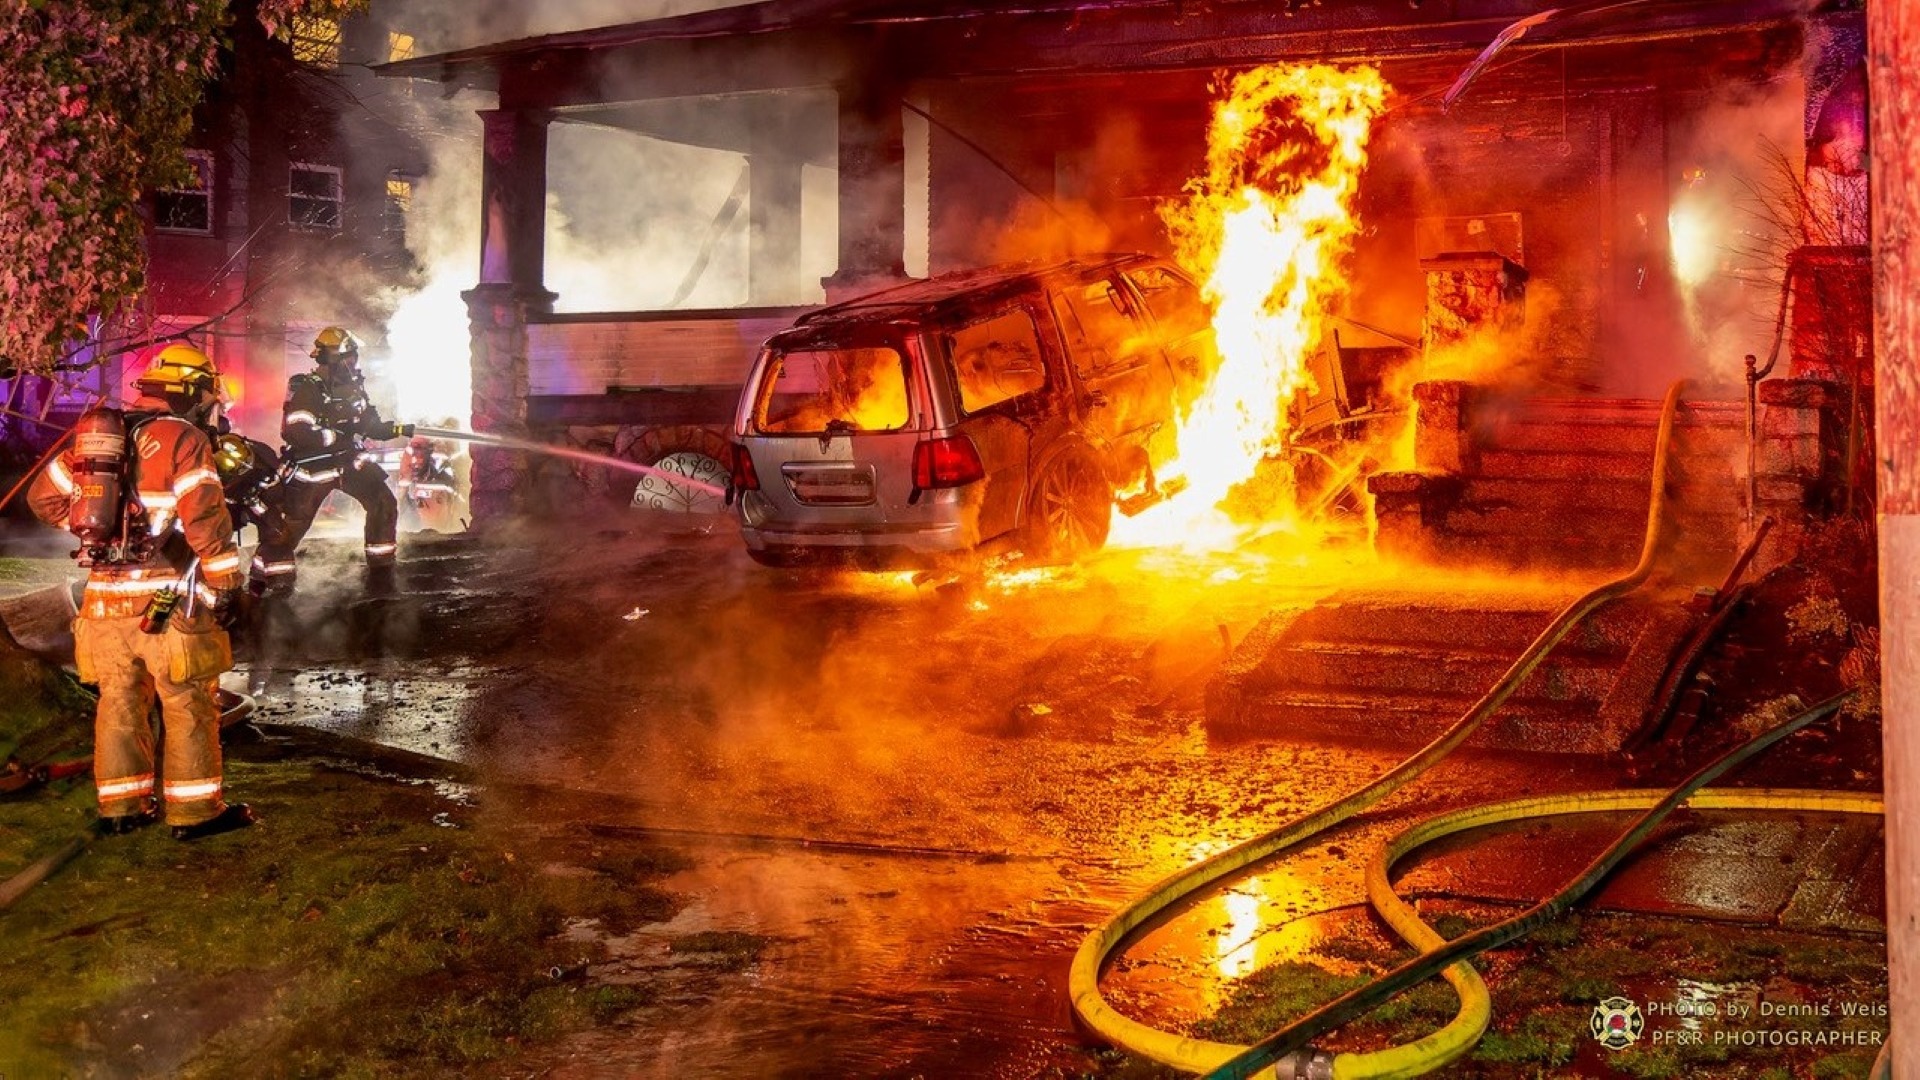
<point x="513" y="198"/>
<point x="1893" y="34"/>
<point x="873" y="188"/>
<point x="773" y="215"/>
<point x="513" y="194"/>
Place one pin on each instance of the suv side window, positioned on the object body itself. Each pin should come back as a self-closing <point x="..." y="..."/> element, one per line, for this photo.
<point x="1175" y="303"/>
<point x="1102" y="334"/>
<point x="996" y="360"/>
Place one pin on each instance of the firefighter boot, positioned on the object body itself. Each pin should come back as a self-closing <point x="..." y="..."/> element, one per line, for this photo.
<point x="236" y="816"/>
<point x="122" y="824"/>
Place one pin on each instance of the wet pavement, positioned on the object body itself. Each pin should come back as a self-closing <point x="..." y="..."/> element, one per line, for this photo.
<point x="924" y="792"/>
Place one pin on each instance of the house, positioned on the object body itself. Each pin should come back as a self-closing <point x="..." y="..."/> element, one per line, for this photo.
<point x="962" y="132"/>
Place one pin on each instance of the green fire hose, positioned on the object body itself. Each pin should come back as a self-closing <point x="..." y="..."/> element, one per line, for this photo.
<point x="1413" y="1059"/>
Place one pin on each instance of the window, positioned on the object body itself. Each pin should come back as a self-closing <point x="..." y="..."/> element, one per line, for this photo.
<point x="188" y="209"/>
<point x="399" y="46"/>
<point x="821" y="391"/>
<point x="996" y="360"/>
<point x="1175" y="304"/>
<point x="1102" y="334"/>
<point x="313" y="197"/>
<point x="316" y="41"/>
<point x="399" y="206"/>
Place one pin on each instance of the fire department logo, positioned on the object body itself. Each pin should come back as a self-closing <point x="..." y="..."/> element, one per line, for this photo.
<point x="1617" y="1023"/>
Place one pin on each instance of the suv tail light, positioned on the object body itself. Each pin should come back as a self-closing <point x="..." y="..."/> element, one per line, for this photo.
<point x="740" y="474"/>
<point x="946" y="463"/>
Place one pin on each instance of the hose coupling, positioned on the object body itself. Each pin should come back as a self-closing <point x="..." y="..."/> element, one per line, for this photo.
<point x="1305" y="1064"/>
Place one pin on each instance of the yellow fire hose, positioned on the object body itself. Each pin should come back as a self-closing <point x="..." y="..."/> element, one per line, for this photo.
<point x="1290" y="1045"/>
<point x="1457" y="1037"/>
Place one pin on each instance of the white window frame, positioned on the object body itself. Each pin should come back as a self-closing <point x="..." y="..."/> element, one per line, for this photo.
<point x="339" y="199"/>
<point x="396" y="214"/>
<point x="202" y="163"/>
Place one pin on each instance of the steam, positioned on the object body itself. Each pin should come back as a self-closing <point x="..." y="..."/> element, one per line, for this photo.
<point x="634" y="222"/>
<point x="1729" y="245"/>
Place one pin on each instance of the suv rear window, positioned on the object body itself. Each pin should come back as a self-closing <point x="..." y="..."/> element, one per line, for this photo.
<point x="815" y="391"/>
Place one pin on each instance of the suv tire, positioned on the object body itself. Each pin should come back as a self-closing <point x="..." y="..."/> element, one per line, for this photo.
<point x="1070" y="511"/>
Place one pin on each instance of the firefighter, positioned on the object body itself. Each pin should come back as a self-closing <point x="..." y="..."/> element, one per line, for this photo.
<point x="140" y="489"/>
<point x="327" y="425"/>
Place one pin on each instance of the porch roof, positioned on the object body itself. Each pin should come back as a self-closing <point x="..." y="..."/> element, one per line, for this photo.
<point x="780" y="44"/>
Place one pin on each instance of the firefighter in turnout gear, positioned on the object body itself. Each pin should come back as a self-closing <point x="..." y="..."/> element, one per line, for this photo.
<point x="327" y="425"/>
<point x="140" y="490"/>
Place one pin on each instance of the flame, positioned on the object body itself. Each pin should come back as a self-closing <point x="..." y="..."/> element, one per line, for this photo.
<point x="1264" y="231"/>
<point x="432" y="368"/>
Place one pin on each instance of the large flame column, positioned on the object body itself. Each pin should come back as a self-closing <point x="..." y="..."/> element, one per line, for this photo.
<point x="1893" y="36"/>
<point x="513" y="192"/>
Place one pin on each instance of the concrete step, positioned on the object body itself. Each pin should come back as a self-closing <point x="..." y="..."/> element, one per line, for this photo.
<point x="1600" y="556"/>
<point x="1695" y="412"/>
<point x="1401" y="666"/>
<point x="1349" y="667"/>
<point x="1533" y="434"/>
<point x="1408" y="720"/>
<point x="1576" y="464"/>
<point x="1609" y="495"/>
<point x="1505" y="623"/>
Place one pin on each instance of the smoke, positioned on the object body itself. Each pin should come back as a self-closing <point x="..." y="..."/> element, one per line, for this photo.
<point x="635" y="221"/>
<point x="631" y="219"/>
<point x="1737" y="160"/>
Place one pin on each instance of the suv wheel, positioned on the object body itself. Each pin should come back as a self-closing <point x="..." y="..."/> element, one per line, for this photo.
<point x="1071" y="510"/>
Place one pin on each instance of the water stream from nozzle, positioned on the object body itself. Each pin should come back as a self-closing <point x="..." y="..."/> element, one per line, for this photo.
<point x="571" y="454"/>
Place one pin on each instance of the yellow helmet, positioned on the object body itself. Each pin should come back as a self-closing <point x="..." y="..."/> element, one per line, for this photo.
<point x="179" y="368"/>
<point x="232" y="456"/>
<point x="332" y="343"/>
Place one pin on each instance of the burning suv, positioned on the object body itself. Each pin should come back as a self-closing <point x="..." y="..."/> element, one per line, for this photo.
<point x="1012" y="406"/>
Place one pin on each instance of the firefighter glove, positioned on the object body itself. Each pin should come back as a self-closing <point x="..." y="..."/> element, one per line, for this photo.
<point x="403" y="431"/>
<point x="227" y="607"/>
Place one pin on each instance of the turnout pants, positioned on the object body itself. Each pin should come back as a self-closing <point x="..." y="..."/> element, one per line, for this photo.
<point x="179" y="666"/>
<point x="364" y="481"/>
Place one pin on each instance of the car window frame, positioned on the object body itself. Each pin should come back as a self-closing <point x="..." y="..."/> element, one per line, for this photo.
<point x="769" y="377"/>
<point x="1026" y="399"/>
<point x="1168" y="333"/>
<point x="1131" y="305"/>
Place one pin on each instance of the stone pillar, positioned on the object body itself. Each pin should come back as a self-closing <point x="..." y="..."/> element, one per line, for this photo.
<point x="497" y="316"/>
<point x="1442" y="432"/>
<point x="873" y="188"/>
<point x="513" y="198"/>
<point x="1797" y="465"/>
<point x="1893" y="32"/>
<point x="513" y="195"/>
<point x="1832" y="336"/>
<point x="1471" y="293"/>
<point x="1410" y="507"/>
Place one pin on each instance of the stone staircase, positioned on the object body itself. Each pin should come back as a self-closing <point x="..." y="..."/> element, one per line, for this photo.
<point x="1549" y="495"/>
<point x="1400" y="667"/>
<point x="1563" y="484"/>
